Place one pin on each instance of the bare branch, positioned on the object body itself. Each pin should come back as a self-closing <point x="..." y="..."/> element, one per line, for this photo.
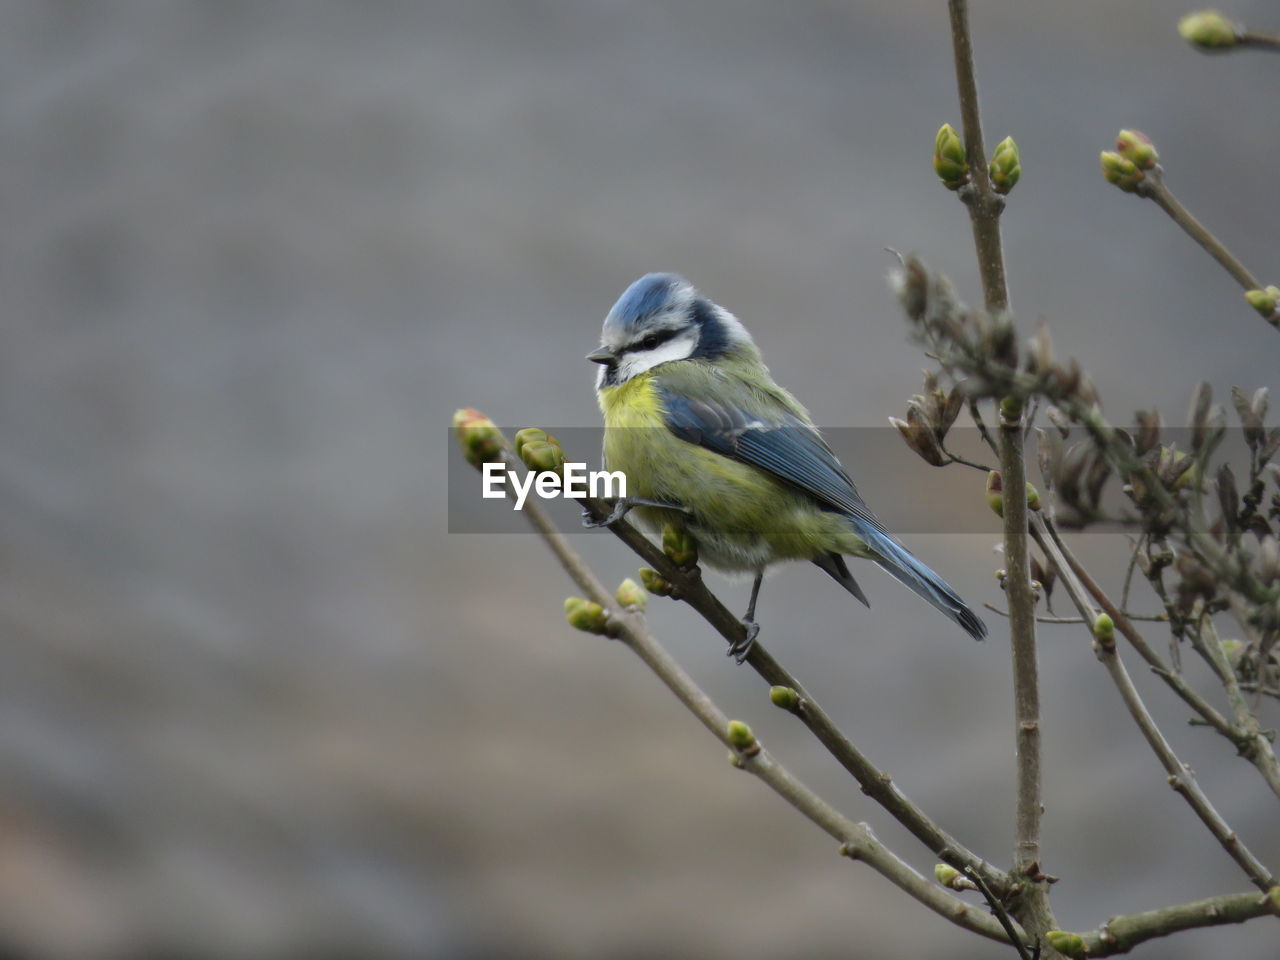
<point x="985" y="207"/>
<point x="1122" y="934"/>
<point x="1153" y="187"/>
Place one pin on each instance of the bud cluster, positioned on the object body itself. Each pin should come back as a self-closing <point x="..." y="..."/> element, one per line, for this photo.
<point x="679" y="545"/>
<point x="951" y="162"/>
<point x="539" y="450"/>
<point x="995" y="494"/>
<point x="929" y="417"/>
<point x="1120" y="171"/>
<point x="1126" y="166"/>
<point x="480" y="439"/>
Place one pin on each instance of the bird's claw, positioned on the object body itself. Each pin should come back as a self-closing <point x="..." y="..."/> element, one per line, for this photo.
<point x="625" y="505"/>
<point x="619" y="511"/>
<point x="741" y="647"/>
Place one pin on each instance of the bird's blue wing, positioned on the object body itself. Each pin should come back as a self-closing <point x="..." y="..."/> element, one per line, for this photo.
<point x="783" y="445"/>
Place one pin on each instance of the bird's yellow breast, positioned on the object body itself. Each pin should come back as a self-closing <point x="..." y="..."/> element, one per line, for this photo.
<point x="632" y="404"/>
<point x="742" y="516"/>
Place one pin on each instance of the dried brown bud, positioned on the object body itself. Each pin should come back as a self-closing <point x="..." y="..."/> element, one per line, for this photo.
<point x="1268" y="563"/>
<point x="1149" y="424"/>
<point x="1201" y="404"/>
<point x="1228" y="497"/>
<point x="1040" y="350"/>
<point x="1252" y="412"/>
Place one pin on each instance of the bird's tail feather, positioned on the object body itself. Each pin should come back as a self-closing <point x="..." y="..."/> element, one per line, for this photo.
<point x="906" y="569"/>
<point x="834" y="564"/>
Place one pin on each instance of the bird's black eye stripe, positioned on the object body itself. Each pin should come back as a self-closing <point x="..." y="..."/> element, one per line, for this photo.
<point x="651" y="342"/>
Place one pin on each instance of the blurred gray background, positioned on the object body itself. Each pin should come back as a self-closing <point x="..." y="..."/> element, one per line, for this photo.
<point x="255" y="700"/>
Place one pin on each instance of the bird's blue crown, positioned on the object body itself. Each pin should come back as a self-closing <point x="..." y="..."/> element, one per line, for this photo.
<point x="642" y="300"/>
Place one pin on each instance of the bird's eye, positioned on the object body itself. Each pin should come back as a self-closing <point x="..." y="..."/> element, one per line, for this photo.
<point x="651" y="341"/>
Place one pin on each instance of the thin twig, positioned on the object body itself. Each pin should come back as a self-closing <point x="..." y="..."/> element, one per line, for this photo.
<point x="1153" y="187"/>
<point x="1256" y="38"/>
<point x="1153" y="617"/>
<point x="956" y="458"/>
<point x="1010" y="925"/>
<point x="1128" y="574"/>
<point x="1005" y="613"/>
<point x="980" y="422"/>
<point x="985" y="207"/>
<point x="1121" y="934"/>
<point x="984" y="203"/>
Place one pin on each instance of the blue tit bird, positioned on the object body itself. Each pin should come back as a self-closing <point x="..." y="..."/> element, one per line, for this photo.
<point x="708" y="441"/>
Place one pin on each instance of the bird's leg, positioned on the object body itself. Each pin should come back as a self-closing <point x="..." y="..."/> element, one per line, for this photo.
<point x="740" y="648"/>
<point x="624" y="505"/>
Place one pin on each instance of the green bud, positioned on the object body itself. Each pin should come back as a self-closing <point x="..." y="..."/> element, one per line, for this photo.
<point x="585" y="615"/>
<point x="1208" y="30"/>
<point x="539" y="450"/>
<point x="679" y="546"/>
<point x="1011" y="408"/>
<point x="544" y="456"/>
<point x="1005" y="167"/>
<point x="480" y="439"/>
<point x="630" y="595"/>
<point x="742" y="739"/>
<point x="995" y="493"/>
<point x="949" y="160"/>
<point x="1104" y="629"/>
<point x="785" y="697"/>
<point x="1121" y="172"/>
<point x="1068" y="944"/>
<point x="946" y="874"/>
<point x="1033" y="497"/>
<point x="1136" y="146"/>
<point x="1261" y="300"/>
<point x="1233" y="649"/>
<point x="1274" y="896"/>
<point x="655" y="582"/>
<point x="528" y="435"/>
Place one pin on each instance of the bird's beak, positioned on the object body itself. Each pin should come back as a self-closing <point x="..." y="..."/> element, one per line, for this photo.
<point x="603" y="355"/>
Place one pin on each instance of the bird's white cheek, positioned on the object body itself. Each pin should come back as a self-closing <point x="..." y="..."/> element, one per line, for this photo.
<point x="634" y="364"/>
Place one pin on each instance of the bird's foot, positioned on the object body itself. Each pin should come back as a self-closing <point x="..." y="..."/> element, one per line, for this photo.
<point x="623" y="506"/>
<point x="741" y="648"/>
